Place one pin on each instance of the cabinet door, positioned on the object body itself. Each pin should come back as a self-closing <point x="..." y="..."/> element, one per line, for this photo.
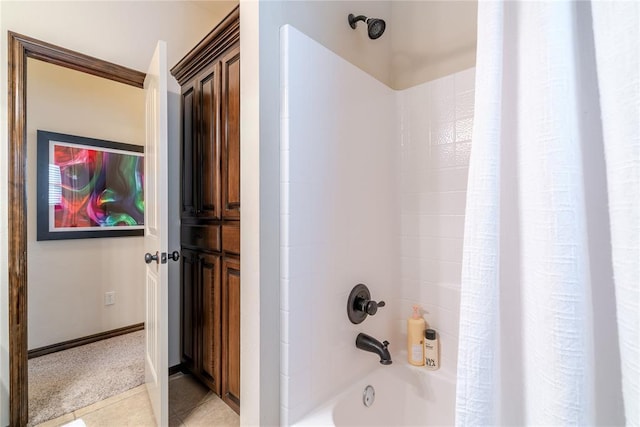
<point x="210" y="344"/>
<point x="230" y="135"/>
<point x="189" y="309"/>
<point x="208" y="84"/>
<point x="188" y="151"/>
<point x="231" y="333"/>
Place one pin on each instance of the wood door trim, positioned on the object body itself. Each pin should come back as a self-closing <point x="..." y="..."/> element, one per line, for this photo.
<point x="20" y="49"/>
<point x="18" y="398"/>
<point x="57" y="55"/>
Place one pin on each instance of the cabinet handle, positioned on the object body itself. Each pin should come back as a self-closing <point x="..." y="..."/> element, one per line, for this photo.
<point x="174" y="256"/>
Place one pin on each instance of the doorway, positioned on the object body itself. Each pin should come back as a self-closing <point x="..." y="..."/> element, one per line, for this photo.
<point x="83" y="291"/>
<point x="20" y="49"/>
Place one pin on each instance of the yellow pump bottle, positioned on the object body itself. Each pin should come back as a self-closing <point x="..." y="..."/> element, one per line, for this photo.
<point x="415" y="335"/>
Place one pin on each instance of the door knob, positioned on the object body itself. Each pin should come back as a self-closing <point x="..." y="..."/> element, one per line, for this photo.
<point x="148" y="257"/>
<point x="174" y="256"/>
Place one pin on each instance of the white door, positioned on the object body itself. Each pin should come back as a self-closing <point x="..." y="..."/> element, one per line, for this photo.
<point x="156" y="234"/>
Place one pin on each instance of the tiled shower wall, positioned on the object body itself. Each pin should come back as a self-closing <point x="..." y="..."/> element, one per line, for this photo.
<point x="436" y="121"/>
<point x="373" y="186"/>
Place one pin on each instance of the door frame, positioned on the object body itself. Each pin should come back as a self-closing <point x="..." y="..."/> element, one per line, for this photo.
<point x="20" y="49"/>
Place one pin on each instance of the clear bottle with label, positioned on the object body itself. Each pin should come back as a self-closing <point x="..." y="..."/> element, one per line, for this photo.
<point x="415" y="334"/>
<point x="431" y="350"/>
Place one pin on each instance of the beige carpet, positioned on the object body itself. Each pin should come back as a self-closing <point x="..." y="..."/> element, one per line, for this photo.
<point x="62" y="382"/>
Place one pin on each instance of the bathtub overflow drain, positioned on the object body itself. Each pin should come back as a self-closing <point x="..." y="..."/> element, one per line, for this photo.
<point x="368" y="396"/>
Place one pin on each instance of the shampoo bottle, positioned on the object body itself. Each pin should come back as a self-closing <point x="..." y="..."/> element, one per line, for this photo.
<point x="431" y="359"/>
<point x="415" y="334"/>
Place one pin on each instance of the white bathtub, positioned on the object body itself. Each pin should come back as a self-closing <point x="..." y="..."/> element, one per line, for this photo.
<point x="404" y="396"/>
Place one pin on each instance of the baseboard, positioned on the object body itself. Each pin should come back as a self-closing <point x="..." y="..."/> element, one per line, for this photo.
<point x="65" y="345"/>
<point x="175" y="369"/>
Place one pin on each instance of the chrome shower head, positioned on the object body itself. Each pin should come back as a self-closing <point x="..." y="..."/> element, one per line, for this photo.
<point x="375" y="26"/>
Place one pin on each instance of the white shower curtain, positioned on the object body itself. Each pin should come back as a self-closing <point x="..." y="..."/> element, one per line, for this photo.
<point x="550" y="307"/>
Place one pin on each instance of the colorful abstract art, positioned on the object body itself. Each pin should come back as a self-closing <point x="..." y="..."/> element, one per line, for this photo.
<point x="88" y="188"/>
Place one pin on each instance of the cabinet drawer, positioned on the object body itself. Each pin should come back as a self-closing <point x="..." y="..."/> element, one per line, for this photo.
<point x="231" y="238"/>
<point x="201" y="236"/>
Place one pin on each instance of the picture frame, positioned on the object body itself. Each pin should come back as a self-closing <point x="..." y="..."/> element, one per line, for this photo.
<point x="88" y="188"/>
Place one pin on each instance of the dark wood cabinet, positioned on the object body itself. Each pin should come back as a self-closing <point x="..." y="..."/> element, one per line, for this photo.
<point x="209" y="76"/>
<point x="230" y="136"/>
<point x="201" y="156"/>
<point x="231" y="333"/>
<point x="200" y="320"/>
<point x="210" y="307"/>
<point x="188" y="310"/>
<point x="208" y="148"/>
<point x="188" y="153"/>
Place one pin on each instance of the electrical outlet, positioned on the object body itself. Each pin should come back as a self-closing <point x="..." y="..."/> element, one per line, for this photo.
<point x="109" y="298"/>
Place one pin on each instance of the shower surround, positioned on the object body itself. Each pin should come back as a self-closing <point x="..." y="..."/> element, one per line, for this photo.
<point x="373" y="186"/>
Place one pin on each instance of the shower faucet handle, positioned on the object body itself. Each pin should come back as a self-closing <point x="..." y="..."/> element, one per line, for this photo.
<point x="360" y="305"/>
<point x="371" y="307"/>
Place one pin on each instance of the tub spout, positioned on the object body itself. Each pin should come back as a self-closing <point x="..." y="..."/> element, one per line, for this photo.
<point x="368" y="343"/>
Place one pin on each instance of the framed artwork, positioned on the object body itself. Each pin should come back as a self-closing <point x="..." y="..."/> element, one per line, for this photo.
<point x="88" y="187"/>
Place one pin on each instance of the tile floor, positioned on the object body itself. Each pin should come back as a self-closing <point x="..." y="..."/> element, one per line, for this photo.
<point x="190" y="404"/>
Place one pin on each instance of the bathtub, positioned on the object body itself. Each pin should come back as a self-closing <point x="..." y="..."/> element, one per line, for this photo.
<point x="404" y="396"/>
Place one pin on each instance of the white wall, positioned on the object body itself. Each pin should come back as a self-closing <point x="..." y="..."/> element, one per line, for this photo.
<point x="260" y="174"/>
<point x="257" y="362"/>
<point x="122" y="32"/>
<point x="324" y="21"/>
<point x="373" y="189"/>
<point x="68" y="278"/>
<point x="337" y="211"/>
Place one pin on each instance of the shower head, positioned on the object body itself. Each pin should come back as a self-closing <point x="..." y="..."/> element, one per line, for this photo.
<point x="375" y="26"/>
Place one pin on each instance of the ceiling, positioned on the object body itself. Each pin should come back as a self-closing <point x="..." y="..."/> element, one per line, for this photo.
<point x="431" y="37"/>
<point x="214" y="6"/>
<point x="433" y="29"/>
